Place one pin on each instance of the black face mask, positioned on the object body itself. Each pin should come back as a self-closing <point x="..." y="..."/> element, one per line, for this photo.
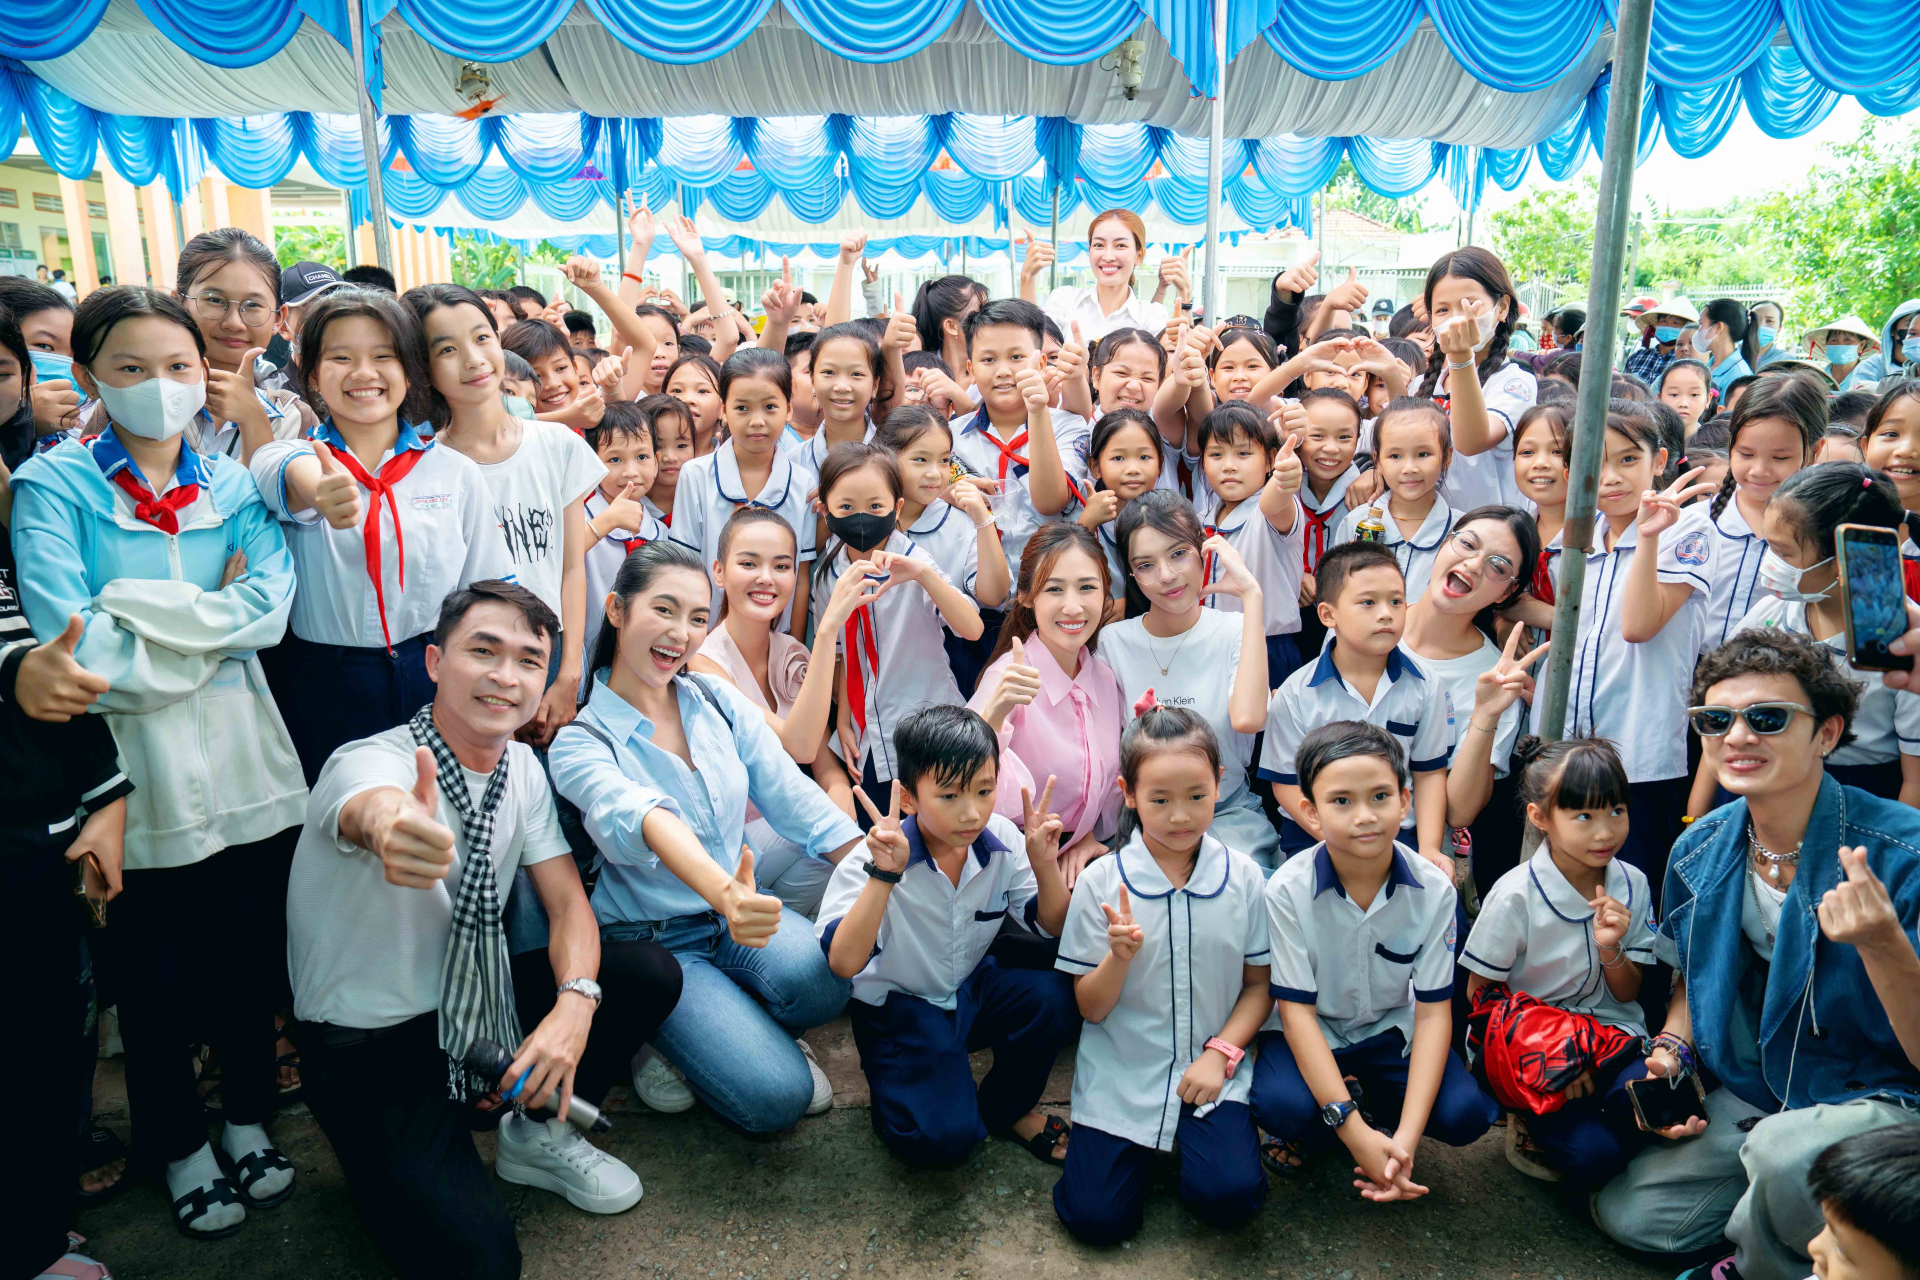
<point x="862" y="532"/>
<point x="16" y="435"/>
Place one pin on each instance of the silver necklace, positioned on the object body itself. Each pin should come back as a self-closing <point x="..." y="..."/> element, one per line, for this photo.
<point x="1760" y="911"/>
<point x="1773" y="860"/>
<point x="1168" y="664"/>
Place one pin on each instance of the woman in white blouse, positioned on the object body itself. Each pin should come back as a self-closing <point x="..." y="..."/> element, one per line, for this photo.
<point x="1116" y="243"/>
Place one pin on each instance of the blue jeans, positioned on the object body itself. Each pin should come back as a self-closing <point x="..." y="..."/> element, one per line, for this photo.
<point x="740" y="1008"/>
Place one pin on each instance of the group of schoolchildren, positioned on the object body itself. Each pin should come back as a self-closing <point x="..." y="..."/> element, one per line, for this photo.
<point x="967" y="584"/>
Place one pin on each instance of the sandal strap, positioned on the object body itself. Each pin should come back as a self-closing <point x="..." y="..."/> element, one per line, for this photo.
<point x="1055" y="1129"/>
<point x="255" y="1165"/>
<point x="201" y="1201"/>
<point x="78" y="1267"/>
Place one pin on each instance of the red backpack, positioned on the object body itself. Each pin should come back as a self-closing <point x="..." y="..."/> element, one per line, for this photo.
<point x="1527" y="1052"/>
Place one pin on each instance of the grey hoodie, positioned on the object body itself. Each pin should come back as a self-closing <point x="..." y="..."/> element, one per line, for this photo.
<point x="1885" y="362"/>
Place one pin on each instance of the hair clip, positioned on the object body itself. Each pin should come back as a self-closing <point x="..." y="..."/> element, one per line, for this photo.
<point x="1866" y="481"/>
<point x="1146" y="703"/>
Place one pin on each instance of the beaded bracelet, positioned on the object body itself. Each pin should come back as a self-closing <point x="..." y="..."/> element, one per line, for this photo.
<point x="1677" y="1047"/>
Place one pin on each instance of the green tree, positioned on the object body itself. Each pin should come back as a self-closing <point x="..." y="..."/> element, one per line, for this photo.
<point x="1548" y="233"/>
<point x="480" y="264"/>
<point x="1701" y="249"/>
<point x="1847" y="237"/>
<point x="323" y="244"/>
<point x="1346" y="191"/>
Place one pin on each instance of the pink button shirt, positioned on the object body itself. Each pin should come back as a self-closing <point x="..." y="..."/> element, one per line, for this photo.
<point x="1070" y="730"/>
<point x="787" y="662"/>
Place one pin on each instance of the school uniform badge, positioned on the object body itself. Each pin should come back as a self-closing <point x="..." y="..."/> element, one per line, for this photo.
<point x="1692" y="549"/>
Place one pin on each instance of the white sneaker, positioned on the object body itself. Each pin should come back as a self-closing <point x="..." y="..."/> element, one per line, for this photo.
<point x="659" y="1084"/>
<point x="822" y="1087"/>
<point x="554" y="1156"/>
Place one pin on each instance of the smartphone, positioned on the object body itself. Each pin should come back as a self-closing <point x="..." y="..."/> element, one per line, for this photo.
<point x="1873" y="595"/>
<point x="1658" y="1104"/>
<point x="90" y="886"/>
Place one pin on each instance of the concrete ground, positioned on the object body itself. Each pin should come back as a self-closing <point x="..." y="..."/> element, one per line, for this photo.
<point x="826" y="1202"/>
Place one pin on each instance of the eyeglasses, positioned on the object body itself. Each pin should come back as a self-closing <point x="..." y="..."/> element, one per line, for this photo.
<point x="1499" y="568"/>
<point x="213" y="307"/>
<point x="1764" y="718"/>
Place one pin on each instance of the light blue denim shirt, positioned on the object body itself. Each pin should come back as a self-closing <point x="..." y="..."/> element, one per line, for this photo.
<point x="616" y="789"/>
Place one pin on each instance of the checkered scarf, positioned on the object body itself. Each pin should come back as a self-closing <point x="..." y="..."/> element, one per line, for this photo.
<point x="476" y="987"/>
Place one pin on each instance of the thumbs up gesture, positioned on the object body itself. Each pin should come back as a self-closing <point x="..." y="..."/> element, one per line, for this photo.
<point x="1286" y="467"/>
<point x="902" y="334"/>
<point x="1124" y="937"/>
<point x="886" y="842"/>
<point x="1018" y="685"/>
<point x="1858" y="910"/>
<point x="414" y="846"/>
<point x="1349" y="294"/>
<point x="230" y="396"/>
<point x="51" y="684"/>
<point x="336" y="495"/>
<point x="1039" y="258"/>
<point x="1299" y="280"/>
<point x="752" y="917"/>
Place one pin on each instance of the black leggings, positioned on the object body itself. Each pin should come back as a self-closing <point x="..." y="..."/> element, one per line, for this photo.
<point x="639" y="986"/>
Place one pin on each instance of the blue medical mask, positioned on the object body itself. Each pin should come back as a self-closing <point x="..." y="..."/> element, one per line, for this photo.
<point x="518" y="407"/>
<point x="51" y="366"/>
<point x="1766" y="336"/>
<point x="1910" y="348"/>
<point x="1666" y="333"/>
<point x="1842" y="352"/>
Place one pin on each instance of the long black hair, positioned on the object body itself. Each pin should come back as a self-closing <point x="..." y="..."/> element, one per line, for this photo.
<point x="1816" y="500"/>
<point x="636" y="573"/>
<point x="1164" y="511"/>
<point x="1797" y="399"/>
<point x="426" y="299"/>
<point x="940" y="299"/>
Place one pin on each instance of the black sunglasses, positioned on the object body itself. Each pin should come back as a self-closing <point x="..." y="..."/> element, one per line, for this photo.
<point x="1764" y="718"/>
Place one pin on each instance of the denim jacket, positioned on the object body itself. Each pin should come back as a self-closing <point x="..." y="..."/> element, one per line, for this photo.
<point x="1823" y="1033"/>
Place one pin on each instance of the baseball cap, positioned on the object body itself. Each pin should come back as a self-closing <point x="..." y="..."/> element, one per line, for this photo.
<point x="304" y="281"/>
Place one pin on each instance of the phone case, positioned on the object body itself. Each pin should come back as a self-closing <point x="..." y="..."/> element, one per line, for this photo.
<point x="1879" y="584"/>
<point x="1635" y="1088"/>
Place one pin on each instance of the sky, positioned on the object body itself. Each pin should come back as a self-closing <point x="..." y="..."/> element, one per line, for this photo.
<point x="1746" y="163"/>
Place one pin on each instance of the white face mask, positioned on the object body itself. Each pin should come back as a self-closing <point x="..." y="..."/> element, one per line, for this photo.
<point x="1781" y="578"/>
<point x="157" y="409"/>
<point x="1702" y="343"/>
<point x="1485" y="324"/>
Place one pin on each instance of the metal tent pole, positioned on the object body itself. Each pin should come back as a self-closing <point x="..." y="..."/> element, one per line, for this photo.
<point x="1210" y="295"/>
<point x="369" y="139"/>
<point x="1053" y="268"/>
<point x="1632" y="25"/>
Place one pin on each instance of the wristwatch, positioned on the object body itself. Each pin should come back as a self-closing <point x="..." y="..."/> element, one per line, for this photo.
<point x="1231" y="1052"/>
<point x="581" y="987"/>
<point x="884" y="877"/>
<point x="1336" y="1113"/>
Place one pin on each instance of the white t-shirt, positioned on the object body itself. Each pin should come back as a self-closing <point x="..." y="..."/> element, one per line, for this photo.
<point x="531" y="490"/>
<point x="1461" y="676"/>
<point x="1201" y="664"/>
<point x="366" y="953"/>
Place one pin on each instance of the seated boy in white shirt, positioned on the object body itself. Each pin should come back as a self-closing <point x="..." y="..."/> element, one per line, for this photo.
<point x="1362" y="930"/>
<point x="910" y="925"/>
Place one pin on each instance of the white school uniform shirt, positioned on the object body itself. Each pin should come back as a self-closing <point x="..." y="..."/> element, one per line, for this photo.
<point x="1180" y="988"/>
<point x="1323" y="517"/>
<point x="1201" y="664"/>
<point x="531" y="489"/>
<point x="1735" y="581"/>
<point x="1535" y="933"/>
<point x="909" y="634"/>
<point x="935" y="933"/>
<point x="1408" y="703"/>
<point x="946" y="533"/>
<point x="603" y="560"/>
<point x="447" y="524"/>
<point x="710" y="491"/>
<point x="808" y="453"/>
<point x="1067" y="306"/>
<point x="1416" y="554"/>
<point x="1363" y="971"/>
<point x="1485" y="478"/>
<point x="1887" y="725"/>
<point x="1015" y="514"/>
<point x="1275" y="559"/>
<point x="1636" y="694"/>
<point x="1460" y="677"/>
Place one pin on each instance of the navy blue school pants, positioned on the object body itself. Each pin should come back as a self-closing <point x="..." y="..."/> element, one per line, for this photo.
<point x="1591" y="1139"/>
<point x="1285" y="1106"/>
<point x="1101" y="1196"/>
<point x="926" y="1108"/>
<point x="1283" y="658"/>
<point x="1654" y="810"/>
<point x="331" y="694"/>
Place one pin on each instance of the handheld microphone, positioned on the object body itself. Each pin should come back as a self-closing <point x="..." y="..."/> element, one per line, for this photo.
<point x="490" y="1061"/>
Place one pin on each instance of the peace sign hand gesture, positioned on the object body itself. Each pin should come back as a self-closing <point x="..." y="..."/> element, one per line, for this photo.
<point x="1042" y="826"/>
<point x="1507" y="681"/>
<point x="639" y="223"/>
<point x="1858" y="910"/>
<point x="1659" y="511"/>
<point x="1124" y="937"/>
<point x="886" y="842"/>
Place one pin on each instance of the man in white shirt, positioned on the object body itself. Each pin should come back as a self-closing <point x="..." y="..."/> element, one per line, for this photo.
<point x="399" y="961"/>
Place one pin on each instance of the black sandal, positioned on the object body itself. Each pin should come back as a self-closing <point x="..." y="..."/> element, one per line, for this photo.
<point x="1282" y="1157"/>
<point x="1041" y="1144"/>
<point x="250" y="1168"/>
<point x="199" y="1202"/>
<point x="98" y="1148"/>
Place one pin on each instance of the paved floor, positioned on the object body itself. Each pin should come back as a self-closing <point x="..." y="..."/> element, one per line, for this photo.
<point x="826" y="1202"/>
